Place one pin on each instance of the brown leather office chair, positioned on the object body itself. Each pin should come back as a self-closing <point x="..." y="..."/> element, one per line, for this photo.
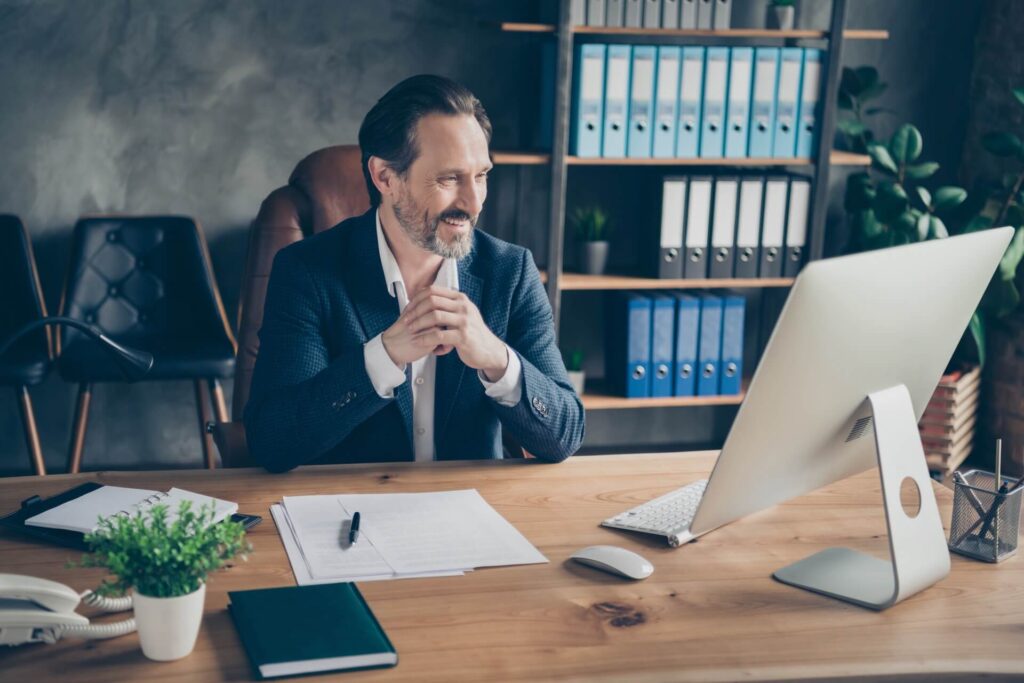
<point x="324" y="189"/>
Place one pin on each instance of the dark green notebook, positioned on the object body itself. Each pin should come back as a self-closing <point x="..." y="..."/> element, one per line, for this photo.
<point x="309" y="629"/>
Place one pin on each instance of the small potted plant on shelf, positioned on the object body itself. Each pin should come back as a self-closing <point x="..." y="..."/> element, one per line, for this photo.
<point x="781" y="14"/>
<point x="574" y="366"/>
<point x="164" y="564"/>
<point x="592" y="228"/>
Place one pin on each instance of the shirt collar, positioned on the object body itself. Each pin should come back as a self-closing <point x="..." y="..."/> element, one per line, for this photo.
<point x="447" y="276"/>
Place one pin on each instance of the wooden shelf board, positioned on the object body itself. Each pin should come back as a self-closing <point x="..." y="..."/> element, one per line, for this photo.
<point x="580" y="282"/>
<point x="595" y="399"/>
<point x="520" y="158"/>
<point x="849" y="34"/>
<point x="838" y="158"/>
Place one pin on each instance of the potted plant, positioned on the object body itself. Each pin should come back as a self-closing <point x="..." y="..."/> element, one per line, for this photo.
<point x="164" y="564"/>
<point x="781" y="14"/>
<point x="574" y="366"/>
<point x="592" y="228"/>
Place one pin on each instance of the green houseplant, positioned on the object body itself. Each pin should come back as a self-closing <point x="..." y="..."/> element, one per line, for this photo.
<point x="891" y="203"/>
<point x="592" y="227"/>
<point x="164" y="562"/>
<point x="574" y="367"/>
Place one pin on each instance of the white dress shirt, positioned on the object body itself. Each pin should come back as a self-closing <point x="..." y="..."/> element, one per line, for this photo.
<point x="385" y="375"/>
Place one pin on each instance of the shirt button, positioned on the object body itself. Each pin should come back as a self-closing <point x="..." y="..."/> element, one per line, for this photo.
<point x="419" y="380"/>
<point x="421" y="431"/>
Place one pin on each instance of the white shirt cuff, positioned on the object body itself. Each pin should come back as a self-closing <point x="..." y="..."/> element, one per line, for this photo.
<point x="509" y="389"/>
<point x="384" y="374"/>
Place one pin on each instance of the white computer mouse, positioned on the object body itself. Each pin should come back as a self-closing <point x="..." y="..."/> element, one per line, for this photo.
<point x="614" y="560"/>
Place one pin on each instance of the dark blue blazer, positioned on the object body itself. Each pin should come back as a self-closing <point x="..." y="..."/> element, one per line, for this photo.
<point x="312" y="400"/>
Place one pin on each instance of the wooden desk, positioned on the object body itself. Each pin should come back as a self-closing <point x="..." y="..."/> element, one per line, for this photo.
<point x="711" y="611"/>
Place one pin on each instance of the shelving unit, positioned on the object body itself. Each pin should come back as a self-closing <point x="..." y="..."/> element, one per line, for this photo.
<point x="559" y="162"/>
<point x="837" y="158"/>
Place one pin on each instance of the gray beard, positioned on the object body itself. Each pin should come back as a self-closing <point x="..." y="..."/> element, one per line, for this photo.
<point x="425" y="237"/>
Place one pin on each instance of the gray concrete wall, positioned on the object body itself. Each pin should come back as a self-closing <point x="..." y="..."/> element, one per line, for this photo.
<point x="202" y="107"/>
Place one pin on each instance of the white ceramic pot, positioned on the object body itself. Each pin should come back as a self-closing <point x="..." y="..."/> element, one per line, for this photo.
<point x="577" y="378"/>
<point x="168" y="627"/>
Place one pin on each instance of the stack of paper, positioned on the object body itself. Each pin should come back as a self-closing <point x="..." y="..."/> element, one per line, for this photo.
<point x="402" y="535"/>
<point x="947" y="426"/>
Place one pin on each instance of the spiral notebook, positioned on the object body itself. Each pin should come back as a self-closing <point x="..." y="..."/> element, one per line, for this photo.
<point x="83" y="514"/>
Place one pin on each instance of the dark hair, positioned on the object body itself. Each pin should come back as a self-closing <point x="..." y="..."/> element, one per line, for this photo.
<point x="389" y="129"/>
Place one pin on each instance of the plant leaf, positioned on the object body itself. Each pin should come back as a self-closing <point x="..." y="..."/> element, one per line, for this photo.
<point x="866" y="75"/>
<point x="977" y="329"/>
<point x="923" y="226"/>
<point x="1015" y="215"/>
<point x="882" y="159"/>
<point x="1001" y="143"/>
<point x="1012" y="256"/>
<point x="890" y="202"/>
<point x="925" y="195"/>
<point x="873" y="111"/>
<point x="1019" y="94"/>
<point x="921" y="171"/>
<point x="844" y="101"/>
<point x="873" y="91"/>
<point x="850" y="127"/>
<point x="906" y="144"/>
<point x="949" y="197"/>
<point x="977" y="223"/>
<point x="936" y="228"/>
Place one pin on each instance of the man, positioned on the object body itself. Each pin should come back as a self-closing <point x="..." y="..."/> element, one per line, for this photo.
<point x="404" y="333"/>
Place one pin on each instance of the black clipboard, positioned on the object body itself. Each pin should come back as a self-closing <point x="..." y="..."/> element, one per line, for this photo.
<point x="31" y="507"/>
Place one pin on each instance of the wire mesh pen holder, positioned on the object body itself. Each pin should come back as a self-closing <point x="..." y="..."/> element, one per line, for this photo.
<point x="985" y="523"/>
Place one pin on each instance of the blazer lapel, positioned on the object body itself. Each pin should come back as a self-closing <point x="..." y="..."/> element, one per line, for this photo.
<point x="376" y="308"/>
<point x="450" y="368"/>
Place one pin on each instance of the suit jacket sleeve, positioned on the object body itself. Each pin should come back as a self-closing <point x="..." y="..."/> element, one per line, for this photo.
<point x="302" y="402"/>
<point x="548" y="420"/>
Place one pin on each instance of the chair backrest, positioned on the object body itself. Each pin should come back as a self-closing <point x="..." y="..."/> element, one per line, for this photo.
<point x="324" y="189"/>
<point x="19" y="282"/>
<point x="146" y="281"/>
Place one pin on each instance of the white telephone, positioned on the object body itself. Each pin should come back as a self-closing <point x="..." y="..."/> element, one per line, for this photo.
<point x="38" y="610"/>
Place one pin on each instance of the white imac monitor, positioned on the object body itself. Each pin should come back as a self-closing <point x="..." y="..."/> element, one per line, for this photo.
<point x="854" y="358"/>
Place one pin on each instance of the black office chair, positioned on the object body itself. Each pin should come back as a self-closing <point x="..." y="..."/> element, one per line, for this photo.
<point x="146" y="282"/>
<point x="28" y="361"/>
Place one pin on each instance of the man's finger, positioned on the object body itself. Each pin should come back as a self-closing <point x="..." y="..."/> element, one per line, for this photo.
<point x="434" y="318"/>
<point x="426" y="305"/>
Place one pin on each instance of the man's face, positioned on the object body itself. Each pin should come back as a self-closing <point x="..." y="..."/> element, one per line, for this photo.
<point x="439" y="200"/>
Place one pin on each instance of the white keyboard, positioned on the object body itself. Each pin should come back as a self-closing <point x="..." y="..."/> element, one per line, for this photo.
<point x="669" y="515"/>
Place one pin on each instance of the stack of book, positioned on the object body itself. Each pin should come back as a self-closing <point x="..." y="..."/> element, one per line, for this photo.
<point x="947" y="426"/>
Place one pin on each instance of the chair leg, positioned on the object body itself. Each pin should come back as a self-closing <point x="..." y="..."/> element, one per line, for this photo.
<point x="81" y="424"/>
<point x="218" y="401"/>
<point x="28" y="418"/>
<point x="205" y="415"/>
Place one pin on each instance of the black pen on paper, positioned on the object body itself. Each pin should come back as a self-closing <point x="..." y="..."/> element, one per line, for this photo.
<point x="353" y="532"/>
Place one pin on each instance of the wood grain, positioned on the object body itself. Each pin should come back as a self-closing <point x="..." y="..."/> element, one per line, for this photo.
<point x="710" y="611"/>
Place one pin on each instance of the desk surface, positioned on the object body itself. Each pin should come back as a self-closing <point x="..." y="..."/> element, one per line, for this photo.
<point x="711" y="610"/>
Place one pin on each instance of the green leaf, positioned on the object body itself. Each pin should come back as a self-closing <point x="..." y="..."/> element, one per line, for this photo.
<point x="874" y="111"/>
<point x="845" y="101"/>
<point x="977" y="223"/>
<point x="873" y="91"/>
<point x="905" y="145"/>
<point x="922" y="227"/>
<point x="925" y="195"/>
<point x="1015" y="215"/>
<point x="1019" y="94"/>
<point x="937" y="229"/>
<point x="921" y="171"/>
<point x="1001" y="144"/>
<point x="851" y="127"/>
<point x="866" y="76"/>
<point x="882" y="159"/>
<point x="1012" y="256"/>
<point x="949" y="197"/>
<point x="977" y="328"/>
<point x="890" y="201"/>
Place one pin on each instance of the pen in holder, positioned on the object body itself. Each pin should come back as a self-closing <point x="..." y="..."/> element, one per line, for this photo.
<point x="986" y="519"/>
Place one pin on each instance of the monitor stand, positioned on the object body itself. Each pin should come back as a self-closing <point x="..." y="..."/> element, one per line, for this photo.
<point x="917" y="545"/>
